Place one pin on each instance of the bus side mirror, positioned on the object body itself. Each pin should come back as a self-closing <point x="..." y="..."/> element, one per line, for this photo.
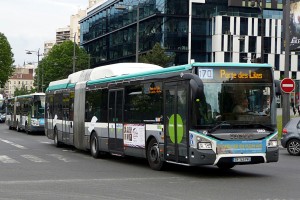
<point x="277" y="87"/>
<point x="195" y="83"/>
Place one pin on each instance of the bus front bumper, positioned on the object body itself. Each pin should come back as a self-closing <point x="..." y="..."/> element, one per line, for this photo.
<point x="209" y="157"/>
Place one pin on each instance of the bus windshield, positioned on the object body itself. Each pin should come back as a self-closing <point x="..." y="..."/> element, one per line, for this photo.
<point x="39" y="107"/>
<point x="236" y="101"/>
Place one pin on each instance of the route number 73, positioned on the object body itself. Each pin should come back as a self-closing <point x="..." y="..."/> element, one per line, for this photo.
<point x="206" y="73"/>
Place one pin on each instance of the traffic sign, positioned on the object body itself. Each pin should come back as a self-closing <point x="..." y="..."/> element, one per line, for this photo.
<point x="287" y="85"/>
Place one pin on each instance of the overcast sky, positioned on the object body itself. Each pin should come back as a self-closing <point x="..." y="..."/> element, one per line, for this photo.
<point x="27" y="24"/>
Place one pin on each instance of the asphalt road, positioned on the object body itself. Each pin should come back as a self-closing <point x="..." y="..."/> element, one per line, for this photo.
<point x="32" y="168"/>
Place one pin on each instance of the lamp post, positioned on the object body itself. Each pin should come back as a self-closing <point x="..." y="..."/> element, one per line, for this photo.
<point x="286" y="96"/>
<point x="260" y="5"/>
<point x="38" y="72"/>
<point x="74" y="53"/>
<point x="137" y="41"/>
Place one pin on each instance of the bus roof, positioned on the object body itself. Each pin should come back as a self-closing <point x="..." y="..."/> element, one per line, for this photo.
<point x="125" y="71"/>
<point x="230" y="64"/>
<point x="142" y="74"/>
<point x="30" y="95"/>
<point x="112" y="70"/>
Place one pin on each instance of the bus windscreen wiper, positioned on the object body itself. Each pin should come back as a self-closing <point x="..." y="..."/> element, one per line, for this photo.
<point x="264" y="126"/>
<point x="213" y="129"/>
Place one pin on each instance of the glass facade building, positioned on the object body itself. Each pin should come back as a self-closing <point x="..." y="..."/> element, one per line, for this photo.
<point x="221" y="31"/>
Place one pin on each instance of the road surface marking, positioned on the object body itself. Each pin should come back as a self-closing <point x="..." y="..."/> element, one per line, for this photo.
<point x="13" y="144"/>
<point x="73" y="181"/>
<point x="34" y="158"/>
<point x="6" y="159"/>
<point x="60" y="157"/>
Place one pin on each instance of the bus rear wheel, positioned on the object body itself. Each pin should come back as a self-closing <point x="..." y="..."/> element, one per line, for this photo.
<point x="56" y="142"/>
<point x="153" y="156"/>
<point x="18" y="128"/>
<point x="26" y="128"/>
<point x="94" y="146"/>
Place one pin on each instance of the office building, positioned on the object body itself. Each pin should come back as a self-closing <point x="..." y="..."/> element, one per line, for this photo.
<point x="221" y="31"/>
<point x="62" y="34"/>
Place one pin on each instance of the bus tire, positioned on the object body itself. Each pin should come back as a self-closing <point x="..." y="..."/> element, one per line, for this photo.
<point x="26" y="129"/>
<point x="18" y="128"/>
<point x="153" y="156"/>
<point x="225" y="166"/>
<point x="94" y="146"/>
<point x="56" y="142"/>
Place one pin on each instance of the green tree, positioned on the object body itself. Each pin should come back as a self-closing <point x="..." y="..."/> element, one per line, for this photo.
<point x="23" y="91"/>
<point x="6" y="60"/>
<point x="157" y="56"/>
<point x="58" y="64"/>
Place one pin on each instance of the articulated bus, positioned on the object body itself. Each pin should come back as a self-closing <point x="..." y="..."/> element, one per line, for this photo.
<point x="181" y="114"/>
<point x="26" y="112"/>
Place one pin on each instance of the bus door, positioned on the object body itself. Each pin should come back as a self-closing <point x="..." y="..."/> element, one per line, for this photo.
<point x="115" y="123"/>
<point x="66" y="121"/>
<point x="176" y="112"/>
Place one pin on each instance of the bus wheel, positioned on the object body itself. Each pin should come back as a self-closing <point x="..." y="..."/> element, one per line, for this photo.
<point x="26" y="129"/>
<point x="56" y="142"/>
<point x="18" y="128"/>
<point x="94" y="145"/>
<point x="225" y="166"/>
<point x="153" y="155"/>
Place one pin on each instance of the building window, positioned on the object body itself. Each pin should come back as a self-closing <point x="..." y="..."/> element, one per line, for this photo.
<point x="276" y="62"/>
<point x="252" y="44"/>
<point x="244" y="26"/>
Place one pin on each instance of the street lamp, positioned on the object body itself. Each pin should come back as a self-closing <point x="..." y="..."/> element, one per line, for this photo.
<point x="260" y="4"/>
<point x="38" y="72"/>
<point x="122" y="7"/>
<point x="286" y="96"/>
<point x="74" y="54"/>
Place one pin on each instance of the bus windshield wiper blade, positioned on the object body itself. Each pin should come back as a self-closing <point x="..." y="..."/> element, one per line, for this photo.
<point x="213" y="129"/>
<point x="264" y="126"/>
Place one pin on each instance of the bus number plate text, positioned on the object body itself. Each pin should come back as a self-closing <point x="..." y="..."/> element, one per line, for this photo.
<point x="242" y="159"/>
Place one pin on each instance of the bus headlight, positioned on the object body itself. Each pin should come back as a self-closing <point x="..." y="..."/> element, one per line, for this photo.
<point x="204" y="145"/>
<point x="35" y="122"/>
<point x="272" y="143"/>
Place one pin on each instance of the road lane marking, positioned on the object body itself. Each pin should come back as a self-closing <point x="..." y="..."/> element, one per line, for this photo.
<point x="6" y="159"/>
<point x="83" y="180"/>
<point x="34" y="158"/>
<point x="13" y="144"/>
<point x="46" y="142"/>
<point x="60" y="157"/>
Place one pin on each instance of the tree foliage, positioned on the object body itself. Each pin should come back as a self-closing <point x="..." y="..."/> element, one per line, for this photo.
<point x="6" y="60"/>
<point x="157" y="56"/>
<point x="23" y="91"/>
<point x="58" y="64"/>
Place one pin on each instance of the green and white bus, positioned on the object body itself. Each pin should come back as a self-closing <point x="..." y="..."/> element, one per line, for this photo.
<point x="26" y="112"/>
<point x="181" y="114"/>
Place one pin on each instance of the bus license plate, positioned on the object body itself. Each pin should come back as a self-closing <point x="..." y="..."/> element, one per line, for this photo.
<point x="242" y="159"/>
